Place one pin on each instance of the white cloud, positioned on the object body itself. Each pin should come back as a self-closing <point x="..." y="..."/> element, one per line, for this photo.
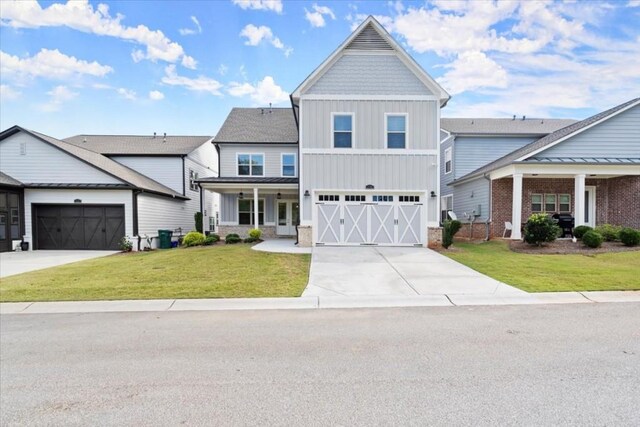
<point x="50" y="64"/>
<point x="316" y="18"/>
<point x="269" y="5"/>
<point x="633" y="3"/>
<point x="198" y="84"/>
<point x="81" y="16"/>
<point x="256" y="35"/>
<point x="473" y="71"/>
<point x="189" y="62"/>
<point x="58" y="96"/>
<point x="7" y="93"/>
<point x="127" y="93"/>
<point x="222" y="69"/>
<point x="264" y="92"/>
<point x="156" y="95"/>
<point x="191" y="31"/>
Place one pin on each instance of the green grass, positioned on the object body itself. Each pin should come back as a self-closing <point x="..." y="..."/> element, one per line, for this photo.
<point x="551" y="273"/>
<point x="221" y="271"/>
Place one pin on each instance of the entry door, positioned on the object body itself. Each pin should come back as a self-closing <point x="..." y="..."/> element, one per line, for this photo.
<point x="5" y="236"/>
<point x="288" y="214"/>
<point x="590" y="206"/>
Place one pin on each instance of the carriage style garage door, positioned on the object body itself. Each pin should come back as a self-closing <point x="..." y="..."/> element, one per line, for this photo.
<point x="369" y="219"/>
<point x="98" y="227"/>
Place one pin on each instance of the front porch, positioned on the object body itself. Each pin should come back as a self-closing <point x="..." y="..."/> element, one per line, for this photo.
<point x="270" y="204"/>
<point x="591" y="199"/>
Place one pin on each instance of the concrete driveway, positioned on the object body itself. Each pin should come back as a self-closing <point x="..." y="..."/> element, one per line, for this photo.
<point x="387" y="271"/>
<point x="21" y="262"/>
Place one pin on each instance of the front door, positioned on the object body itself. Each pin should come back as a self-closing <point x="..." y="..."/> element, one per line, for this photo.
<point x="590" y="206"/>
<point x="288" y="213"/>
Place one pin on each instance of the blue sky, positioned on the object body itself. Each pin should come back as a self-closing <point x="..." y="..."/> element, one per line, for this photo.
<point x="179" y="67"/>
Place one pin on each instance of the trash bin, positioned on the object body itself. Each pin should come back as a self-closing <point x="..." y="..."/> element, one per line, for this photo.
<point x="165" y="239"/>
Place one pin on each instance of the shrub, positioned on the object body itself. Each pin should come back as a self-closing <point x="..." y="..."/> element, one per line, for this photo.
<point x="255" y="233"/>
<point x="193" y="238"/>
<point x="211" y="239"/>
<point x="609" y="232"/>
<point x="251" y="240"/>
<point x="198" y="218"/>
<point x="593" y="239"/>
<point x="579" y="231"/>
<point x="630" y="237"/>
<point x="539" y="229"/>
<point x="125" y="244"/>
<point x="232" y="238"/>
<point x="451" y="227"/>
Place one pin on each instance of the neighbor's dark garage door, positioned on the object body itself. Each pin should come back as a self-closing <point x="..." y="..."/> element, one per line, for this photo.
<point x="78" y="226"/>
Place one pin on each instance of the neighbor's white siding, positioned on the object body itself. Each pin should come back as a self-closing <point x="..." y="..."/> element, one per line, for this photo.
<point x="44" y="163"/>
<point x="165" y="170"/>
<point x="101" y="197"/>
<point x="157" y="212"/>
<point x="272" y="157"/>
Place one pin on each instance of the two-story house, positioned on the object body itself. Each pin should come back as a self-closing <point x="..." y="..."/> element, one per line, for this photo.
<point x="89" y="191"/>
<point x="357" y="154"/>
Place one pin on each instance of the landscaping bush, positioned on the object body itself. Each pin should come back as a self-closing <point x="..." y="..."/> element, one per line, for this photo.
<point x="198" y="218"/>
<point x="540" y="228"/>
<point x="255" y="234"/>
<point x="579" y="231"/>
<point x="193" y="238"/>
<point x="125" y="244"/>
<point x="251" y="240"/>
<point x="593" y="239"/>
<point x="232" y="238"/>
<point x="609" y="232"/>
<point x="450" y="228"/>
<point x="630" y="237"/>
<point x="211" y="239"/>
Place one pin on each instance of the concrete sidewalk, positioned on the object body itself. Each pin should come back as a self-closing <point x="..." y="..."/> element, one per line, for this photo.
<point x="316" y="302"/>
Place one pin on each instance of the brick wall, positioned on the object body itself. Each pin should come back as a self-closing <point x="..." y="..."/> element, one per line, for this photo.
<point x="624" y="201"/>
<point x="478" y="232"/>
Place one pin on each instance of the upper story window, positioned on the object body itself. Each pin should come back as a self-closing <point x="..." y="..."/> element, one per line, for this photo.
<point x="288" y="165"/>
<point x="447" y="160"/>
<point x="396" y="125"/>
<point x="342" y="130"/>
<point x="251" y="164"/>
<point x="193" y="177"/>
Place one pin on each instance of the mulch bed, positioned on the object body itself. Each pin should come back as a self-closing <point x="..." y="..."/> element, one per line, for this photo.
<point x="568" y="247"/>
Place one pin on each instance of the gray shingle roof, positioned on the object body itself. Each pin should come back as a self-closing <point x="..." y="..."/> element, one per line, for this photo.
<point x="545" y="141"/>
<point x="138" y="144"/>
<point x="113" y="168"/>
<point x="7" y="180"/>
<point x="258" y="125"/>
<point x="474" y="126"/>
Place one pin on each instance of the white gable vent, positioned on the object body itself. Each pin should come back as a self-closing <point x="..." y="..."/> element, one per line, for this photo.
<point x="369" y="39"/>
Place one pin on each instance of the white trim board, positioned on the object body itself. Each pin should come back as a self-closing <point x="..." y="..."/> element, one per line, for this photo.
<point x="328" y="97"/>
<point x="383" y="151"/>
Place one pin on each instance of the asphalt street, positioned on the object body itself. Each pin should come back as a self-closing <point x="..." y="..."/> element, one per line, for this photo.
<point x="569" y="364"/>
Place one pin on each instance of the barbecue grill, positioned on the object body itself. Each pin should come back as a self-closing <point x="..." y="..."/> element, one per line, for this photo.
<point x="565" y="222"/>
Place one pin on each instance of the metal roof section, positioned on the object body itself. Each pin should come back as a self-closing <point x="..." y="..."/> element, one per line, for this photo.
<point x="249" y="180"/>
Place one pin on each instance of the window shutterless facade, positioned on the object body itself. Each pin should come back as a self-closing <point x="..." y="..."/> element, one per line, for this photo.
<point x="536" y="203"/>
<point x="246" y="212"/>
<point x="564" y="202"/>
<point x="289" y="166"/>
<point x="342" y="130"/>
<point x="250" y="164"/>
<point x="193" y="177"/>
<point x="550" y="201"/>
<point x="396" y="130"/>
<point x="448" y="164"/>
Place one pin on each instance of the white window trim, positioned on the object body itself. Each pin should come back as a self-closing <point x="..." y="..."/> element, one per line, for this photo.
<point x="541" y="203"/>
<point x="195" y="175"/>
<point x="406" y="130"/>
<point x="448" y="150"/>
<point x="564" y="194"/>
<point x="295" y="165"/>
<point x="353" y="129"/>
<point x="264" y="164"/>
<point x="264" y="210"/>
<point x="544" y="202"/>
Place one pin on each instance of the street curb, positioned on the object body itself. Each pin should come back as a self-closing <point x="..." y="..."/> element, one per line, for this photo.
<point x="307" y="303"/>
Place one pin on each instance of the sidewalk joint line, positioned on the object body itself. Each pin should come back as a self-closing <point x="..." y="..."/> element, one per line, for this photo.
<point x="586" y="297"/>
<point x="396" y="270"/>
<point x="173" y="302"/>
<point x="30" y="304"/>
<point x="452" y="303"/>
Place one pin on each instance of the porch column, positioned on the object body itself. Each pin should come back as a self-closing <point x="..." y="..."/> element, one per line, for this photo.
<point x="256" y="217"/>
<point x="516" y="207"/>
<point x="579" y="200"/>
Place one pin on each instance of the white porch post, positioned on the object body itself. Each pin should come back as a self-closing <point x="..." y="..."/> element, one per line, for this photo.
<point x="516" y="213"/>
<point x="256" y="217"/>
<point x="579" y="200"/>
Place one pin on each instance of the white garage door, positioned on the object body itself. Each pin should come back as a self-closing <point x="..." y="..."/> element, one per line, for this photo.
<point x="369" y="219"/>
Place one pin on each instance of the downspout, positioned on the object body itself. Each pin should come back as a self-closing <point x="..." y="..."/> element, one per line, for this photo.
<point x="184" y="184"/>
<point x="488" y="221"/>
<point x="134" y="202"/>
<point x="300" y="207"/>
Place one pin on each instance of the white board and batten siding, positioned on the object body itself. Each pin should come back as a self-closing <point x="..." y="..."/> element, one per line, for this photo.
<point x="165" y="170"/>
<point x="272" y="157"/>
<point x="30" y="160"/>
<point x="229" y="207"/>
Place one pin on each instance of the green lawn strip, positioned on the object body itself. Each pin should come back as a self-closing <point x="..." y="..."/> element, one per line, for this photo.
<point x="221" y="271"/>
<point x="551" y="273"/>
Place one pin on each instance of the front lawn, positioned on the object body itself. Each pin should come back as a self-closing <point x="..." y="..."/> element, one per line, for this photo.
<point x="221" y="271"/>
<point x="551" y="273"/>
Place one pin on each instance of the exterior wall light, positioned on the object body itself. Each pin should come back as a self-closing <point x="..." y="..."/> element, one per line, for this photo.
<point x="306" y="193"/>
<point x="278" y="196"/>
<point x="370" y="187"/>
<point x="241" y="195"/>
<point x="433" y="194"/>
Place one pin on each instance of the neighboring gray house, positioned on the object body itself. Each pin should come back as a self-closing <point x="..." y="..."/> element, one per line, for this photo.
<point x="68" y="195"/>
<point x="356" y="157"/>
<point x="588" y="169"/>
